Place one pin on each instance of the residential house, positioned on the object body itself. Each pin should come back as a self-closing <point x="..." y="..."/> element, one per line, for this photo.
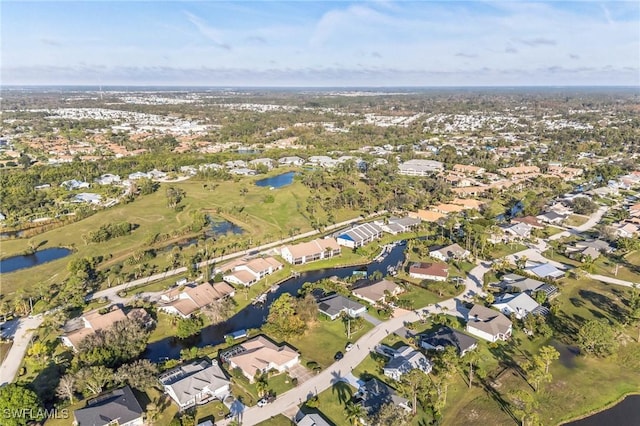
<point x="251" y="271"/>
<point x="377" y="292"/>
<point x="592" y="248"/>
<point x="320" y="248"/>
<point x="561" y="209"/>
<point x="404" y="360"/>
<point x="545" y="270"/>
<point x="311" y="419"/>
<point x="322" y="161"/>
<point x="242" y="171"/>
<point x="261" y="355"/>
<point x="396" y="225"/>
<point x="291" y="161"/>
<point x="359" y="235"/>
<point x="73" y="184"/>
<point x="108" y="179"/>
<point x="518" y="283"/>
<point x="488" y="324"/>
<point x="190" y="299"/>
<point x="517" y="231"/>
<point x="236" y="164"/>
<point x="196" y="383"/>
<point x="420" y="167"/>
<point x="528" y="220"/>
<point x="332" y="306"/>
<point x="118" y="407"/>
<point x="87" y="197"/>
<point x="468" y="203"/>
<point x="446" y="336"/>
<point x="469" y="170"/>
<point x="89" y="323"/>
<point x="138" y="175"/>
<point x="519" y="304"/>
<point x="626" y="229"/>
<point x="267" y="162"/>
<point x="552" y="218"/>
<point x="453" y="251"/>
<point x="518" y="171"/>
<point x="373" y="394"/>
<point x="429" y="271"/>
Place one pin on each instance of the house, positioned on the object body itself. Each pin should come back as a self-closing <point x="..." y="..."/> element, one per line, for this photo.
<point x="532" y="221"/>
<point x="87" y="197"/>
<point x="184" y="302"/>
<point x="488" y="324"/>
<point x="196" y="383"/>
<point x="397" y="225"/>
<point x="626" y="229"/>
<point x="426" y="215"/>
<point x="261" y="355"/>
<point x="108" y="179"/>
<point x="138" y="175"/>
<point x="373" y="394"/>
<point x="291" y="161"/>
<point x="446" y="336"/>
<point x="404" y="360"/>
<point x="520" y="231"/>
<point x="420" y="167"/>
<point x="322" y="161"/>
<point x="78" y="329"/>
<point x="267" y="162"/>
<point x="469" y="170"/>
<point x="333" y="306"/>
<point x="429" y="271"/>
<point x="378" y="291"/>
<point x="251" y="271"/>
<point x="360" y="235"/>
<point x="236" y="164"/>
<point x="72" y="184"/>
<point x="600" y="245"/>
<point x="453" y="251"/>
<point x="320" y="248"/>
<point x="311" y="419"/>
<point x="552" y="217"/>
<point x="545" y="270"/>
<point x="520" y="304"/>
<point x="520" y="170"/>
<point x="118" y="407"/>
<point x="242" y="171"/>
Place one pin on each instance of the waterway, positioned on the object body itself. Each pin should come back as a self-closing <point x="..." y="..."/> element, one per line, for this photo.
<point x="277" y="181"/>
<point x="624" y="413"/>
<point x="253" y="316"/>
<point x="24" y="261"/>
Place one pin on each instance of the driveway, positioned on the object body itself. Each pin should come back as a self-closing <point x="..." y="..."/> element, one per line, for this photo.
<point x="301" y="373"/>
<point x="21" y="339"/>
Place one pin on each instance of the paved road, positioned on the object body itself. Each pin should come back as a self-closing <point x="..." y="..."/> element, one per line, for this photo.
<point x="593" y="220"/>
<point x="341" y="370"/>
<point x="610" y="280"/>
<point x="112" y="292"/>
<point x="21" y="338"/>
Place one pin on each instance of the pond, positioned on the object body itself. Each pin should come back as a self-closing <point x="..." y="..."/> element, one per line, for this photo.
<point x="567" y="353"/>
<point x="222" y="227"/>
<point x="277" y="181"/>
<point x="253" y="316"/>
<point x="624" y="413"/>
<point x="16" y="263"/>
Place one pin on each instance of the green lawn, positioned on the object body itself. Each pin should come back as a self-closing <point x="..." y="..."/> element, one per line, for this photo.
<point x="324" y="339"/>
<point x="213" y="411"/>
<point x="502" y="250"/>
<point x="279" y="420"/>
<point x="419" y="297"/>
<point x="331" y="403"/>
<point x="575" y="220"/>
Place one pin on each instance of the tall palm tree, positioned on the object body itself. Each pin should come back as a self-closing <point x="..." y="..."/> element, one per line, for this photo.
<point x="354" y="412"/>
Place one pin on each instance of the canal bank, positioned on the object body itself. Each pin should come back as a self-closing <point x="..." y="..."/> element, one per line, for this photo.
<point x="625" y="411"/>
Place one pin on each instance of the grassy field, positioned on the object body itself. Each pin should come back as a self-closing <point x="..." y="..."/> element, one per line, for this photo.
<point x="331" y="403"/>
<point x="502" y="250"/>
<point x="419" y="297"/>
<point x="279" y="420"/>
<point x="261" y="222"/>
<point x="324" y="339"/>
<point x="580" y="384"/>
<point x="576" y="220"/>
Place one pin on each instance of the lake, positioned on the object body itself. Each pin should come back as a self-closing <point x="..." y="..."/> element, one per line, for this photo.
<point x="16" y="263"/>
<point x="277" y="181"/>
<point x="253" y="316"/>
<point x="624" y="413"/>
<point x="222" y="227"/>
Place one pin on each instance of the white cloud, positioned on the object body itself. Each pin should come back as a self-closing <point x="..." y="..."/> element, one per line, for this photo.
<point x="207" y="31"/>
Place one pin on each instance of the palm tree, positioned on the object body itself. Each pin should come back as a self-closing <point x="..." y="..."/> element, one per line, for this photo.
<point x="354" y="412"/>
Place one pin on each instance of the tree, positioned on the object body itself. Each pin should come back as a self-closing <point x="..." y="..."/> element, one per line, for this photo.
<point x="15" y="398"/>
<point x="67" y="387"/>
<point x="414" y="382"/>
<point x="283" y="319"/>
<point x="140" y="374"/>
<point x="188" y="327"/>
<point x="596" y="337"/>
<point x="174" y="196"/>
<point x="536" y="374"/>
<point x="548" y="354"/>
<point x="355" y="412"/>
<point x="125" y="340"/>
<point x="389" y="414"/>
<point x="39" y="351"/>
<point x="584" y="205"/>
<point x="93" y="380"/>
<point x="525" y="407"/>
<point x="220" y="310"/>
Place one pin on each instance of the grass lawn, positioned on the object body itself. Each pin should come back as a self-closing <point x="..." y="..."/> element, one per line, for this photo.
<point x="261" y="221"/>
<point x="279" y="420"/>
<point x="502" y="250"/>
<point x="633" y="258"/>
<point x="607" y="267"/>
<point x="248" y="394"/>
<point x="558" y="257"/>
<point x="213" y="411"/>
<point x="576" y="220"/>
<point x="419" y="297"/>
<point x="324" y="339"/>
<point x="331" y="403"/>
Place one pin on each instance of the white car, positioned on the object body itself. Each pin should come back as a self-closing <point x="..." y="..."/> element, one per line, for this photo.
<point x="262" y="402"/>
<point x="348" y="347"/>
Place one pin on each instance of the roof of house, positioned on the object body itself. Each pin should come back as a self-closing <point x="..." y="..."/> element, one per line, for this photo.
<point x="522" y="284"/>
<point x="312" y="247"/>
<point x="545" y="270"/>
<point x="335" y="304"/>
<point x="376" y="394"/>
<point x="529" y="220"/>
<point x="102" y="321"/>
<point x="447" y="336"/>
<point x="521" y="229"/>
<point x="407" y="359"/>
<point x="600" y="245"/>
<point x="259" y="352"/>
<point x="435" y="269"/>
<point x="189" y="380"/>
<point x="260" y="264"/>
<point x="312" y="419"/>
<point x="119" y="405"/>
<point x="202" y="295"/>
<point x="376" y="291"/>
<point x="518" y="302"/>
<point x="488" y="320"/>
<point x="404" y="221"/>
<point x="551" y="215"/>
<point x="453" y="250"/>
<point x="448" y="208"/>
<point x="361" y="232"/>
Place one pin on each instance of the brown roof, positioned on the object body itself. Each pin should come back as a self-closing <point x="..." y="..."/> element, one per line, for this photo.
<point x="202" y="294"/>
<point x="243" y="276"/>
<point x="312" y="247"/>
<point x="262" y="264"/>
<point x="489" y="321"/>
<point x="529" y="220"/>
<point x="223" y="289"/>
<point x="101" y="322"/>
<point x="185" y="306"/>
<point x="376" y="291"/>
<point x="466" y="169"/>
<point x="435" y="269"/>
<point x="260" y="352"/>
<point x="519" y="170"/>
<point x="468" y="203"/>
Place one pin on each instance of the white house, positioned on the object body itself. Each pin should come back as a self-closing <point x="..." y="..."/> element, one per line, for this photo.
<point x="360" y="235"/>
<point x="404" y="360"/>
<point x="183" y="302"/>
<point x="108" y="179"/>
<point x="453" y="251"/>
<point x="251" y="271"/>
<point x="196" y="383"/>
<point x="520" y="304"/>
<point x="488" y="324"/>
<point x="260" y="354"/>
<point x="291" y="161"/>
<point x="320" y="248"/>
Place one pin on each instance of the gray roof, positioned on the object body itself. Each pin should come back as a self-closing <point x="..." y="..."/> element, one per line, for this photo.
<point x="520" y="303"/>
<point x="375" y="394"/>
<point x="596" y="244"/>
<point x="362" y="232"/>
<point x="405" y="221"/>
<point x="120" y="405"/>
<point x="453" y="250"/>
<point x="446" y="336"/>
<point x="488" y="320"/>
<point x="408" y="359"/>
<point x="545" y="270"/>
<point x="335" y="304"/>
<point x="522" y="284"/>
<point x="312" y="419"/>
<point x="189" y="380"/>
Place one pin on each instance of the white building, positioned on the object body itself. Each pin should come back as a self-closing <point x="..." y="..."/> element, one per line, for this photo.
<point x="420" y="167"/>
<point x="195" y="384"/>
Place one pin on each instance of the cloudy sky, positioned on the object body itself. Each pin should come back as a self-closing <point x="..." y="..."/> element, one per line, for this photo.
<point x="327" y="43"/>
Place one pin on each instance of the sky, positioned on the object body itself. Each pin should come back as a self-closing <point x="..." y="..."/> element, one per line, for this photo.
<point x="320" y="43"/>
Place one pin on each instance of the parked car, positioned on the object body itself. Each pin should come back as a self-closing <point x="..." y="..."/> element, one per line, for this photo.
<point x="338" y="356"/>
<point x="348" y="347"/>
<point x="262" y="402"/>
